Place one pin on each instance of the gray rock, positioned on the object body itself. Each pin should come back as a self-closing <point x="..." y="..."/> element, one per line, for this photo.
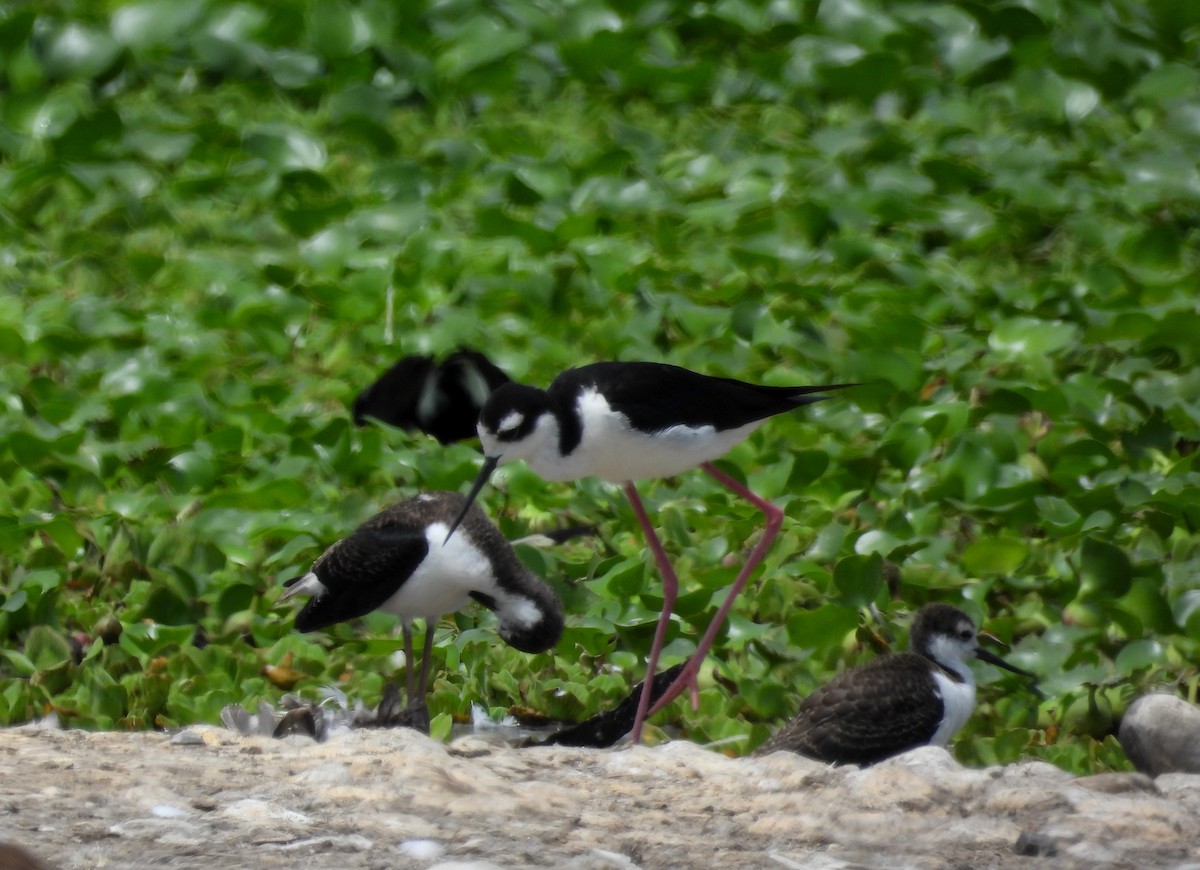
<point x="363" y="800"/>
<point x="1118" y="783"/>
<point x="1161" y="734"/>
<point x="268" y="814"/>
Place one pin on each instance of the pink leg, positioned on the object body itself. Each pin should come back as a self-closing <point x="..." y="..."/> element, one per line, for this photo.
<point x="670" y="592"/>
<point x="774" y="515"/>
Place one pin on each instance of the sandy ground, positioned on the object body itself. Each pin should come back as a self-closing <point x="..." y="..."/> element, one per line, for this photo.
<point x="208" y="798"/>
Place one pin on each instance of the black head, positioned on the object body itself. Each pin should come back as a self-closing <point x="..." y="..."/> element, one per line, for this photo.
<point x="948" y="636"/>
<point x="508" y="420"/>
<point x="936" y="623"/>
<point x="509" y="416"/>
<point x="530" y="617"/>
<point x="540" y="635"/>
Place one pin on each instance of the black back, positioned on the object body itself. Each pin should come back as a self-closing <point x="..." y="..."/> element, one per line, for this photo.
<point x="454" y="386"/>
<point x="865" y="714"/>
<point x="655" y="396"/>
<point x="361" y="572"/>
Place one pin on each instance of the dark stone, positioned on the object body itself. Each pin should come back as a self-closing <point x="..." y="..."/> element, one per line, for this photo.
<point x="1036" y="845"/>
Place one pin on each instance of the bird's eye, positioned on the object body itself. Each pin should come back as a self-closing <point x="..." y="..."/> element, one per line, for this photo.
<point x="966" y="634"/>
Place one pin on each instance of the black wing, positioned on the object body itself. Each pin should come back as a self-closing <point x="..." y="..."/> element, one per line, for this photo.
<point x="466" y="361"/>
<point x="394" y="396"/>
<point x="440" y="399"/>
<point x="464" y="381"/>
<point x="654" y="395"/>
<point x="866" y="714"/>
<point x="361" y="572"/>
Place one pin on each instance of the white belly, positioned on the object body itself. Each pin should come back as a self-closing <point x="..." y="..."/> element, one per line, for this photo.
<point x="613" y="450"/>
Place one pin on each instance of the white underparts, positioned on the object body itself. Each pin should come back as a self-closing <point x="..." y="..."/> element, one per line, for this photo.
<point x="958" y="700"/>
<point x="958" y="696"/>
<point x="612" y="449"/>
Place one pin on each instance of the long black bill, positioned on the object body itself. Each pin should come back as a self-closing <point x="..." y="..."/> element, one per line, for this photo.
<point x="992" y="659"/>
<point x="489" y="465"/>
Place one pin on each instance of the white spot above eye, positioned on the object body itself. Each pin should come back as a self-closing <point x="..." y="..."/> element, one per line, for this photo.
<point x="511" y="421"/>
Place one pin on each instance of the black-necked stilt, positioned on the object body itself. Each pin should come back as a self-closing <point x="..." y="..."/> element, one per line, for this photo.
<point x="896" y="702"/>
<point x="623" y="421"/>
<point x="399" y="562"/>
<point x="440" y="399"/>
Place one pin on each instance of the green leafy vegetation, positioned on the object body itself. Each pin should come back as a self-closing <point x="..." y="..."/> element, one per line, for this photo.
<point x="220" y="220"/>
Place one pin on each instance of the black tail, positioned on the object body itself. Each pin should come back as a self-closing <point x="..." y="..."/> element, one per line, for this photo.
<point x="806" y="395"/>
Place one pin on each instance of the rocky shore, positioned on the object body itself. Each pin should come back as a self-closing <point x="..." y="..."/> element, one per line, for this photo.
<point x="208" y="798"/>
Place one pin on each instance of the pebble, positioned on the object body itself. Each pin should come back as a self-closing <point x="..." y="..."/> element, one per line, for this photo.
<point x="421" y="850"/>
<point x="252" y="811"/>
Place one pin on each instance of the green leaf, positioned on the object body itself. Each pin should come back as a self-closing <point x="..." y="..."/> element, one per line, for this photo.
<point x="79" y="51"/>
<point x="285" y="148"/>
<point x="1171" y="81"/>
<point x="823" y="628"/>
<point x="14" y="602"/>
<point x="336" y="29"/>
<point x="1139" y="654"/>
<point x="859" y="579"/>
<point x="863" y="78"/>
<point x="15" y="28"/>
<point x="45" y="647"/>
<point x="1186" y="609"/>
<point x="985" y="556"/>
<point x="154" y="22"/>
<point x="1027" y="336"/>
<point x="481" y="41"/>
<point x="19" y="662"/>
<point x="1105" y="570"/>
<point x="1057" y="512"/>
<point x="1154" y="252"/>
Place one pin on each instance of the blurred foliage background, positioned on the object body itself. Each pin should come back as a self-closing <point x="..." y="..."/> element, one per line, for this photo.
<point x="220" y="220"/>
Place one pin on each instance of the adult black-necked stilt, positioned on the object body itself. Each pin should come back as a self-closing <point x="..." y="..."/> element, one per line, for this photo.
<point x="623" y="421"/>
<point x="896" y="702"/>
<point x="399" y="562"/>
<point x="441" y="399"/>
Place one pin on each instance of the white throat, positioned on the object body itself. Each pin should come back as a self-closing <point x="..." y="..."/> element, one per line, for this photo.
<point x="958" y="698"/>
